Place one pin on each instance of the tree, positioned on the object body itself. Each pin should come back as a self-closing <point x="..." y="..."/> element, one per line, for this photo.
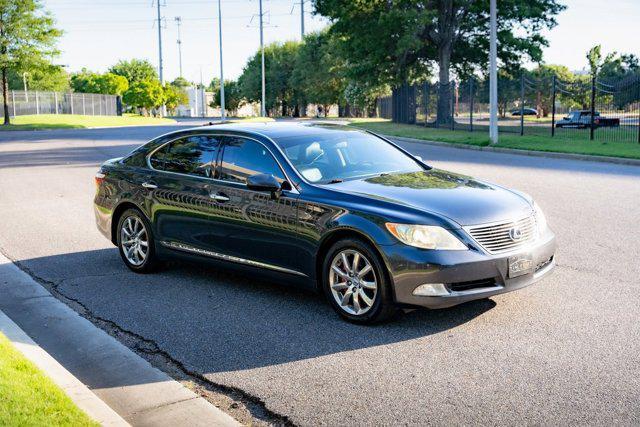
<point x="181" y="83"/>
<point x="27" y="39"/>
<point x="108" y="83"/>
<point x="232" y="96"/>
<point x="145" y="95"/>
<point x="40" y="77"/>
<point x="394" y="42"/>
<point x="135" y="70"/>
<point x="543" y="76"/>
<point x="279" y="65"/>
<point x="318" y="76"/>
<point x="174" y="96"/>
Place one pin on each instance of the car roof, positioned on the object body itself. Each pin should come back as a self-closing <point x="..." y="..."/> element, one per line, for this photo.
<point x="277" y="130"/>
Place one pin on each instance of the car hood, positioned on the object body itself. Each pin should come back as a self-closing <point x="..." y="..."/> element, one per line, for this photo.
<point x="459" y="198"/>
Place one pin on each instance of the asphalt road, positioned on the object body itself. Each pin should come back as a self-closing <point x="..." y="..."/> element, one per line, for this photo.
<point x="564" y="351"/>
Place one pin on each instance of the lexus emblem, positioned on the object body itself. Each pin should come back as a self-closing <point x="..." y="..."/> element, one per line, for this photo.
<point x="515" y="234"/>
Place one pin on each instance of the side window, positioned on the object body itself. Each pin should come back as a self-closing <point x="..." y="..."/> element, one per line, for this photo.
<point x="193" y="155"/>
<point x="242" y="158"/>
<point x="157" y="159"/>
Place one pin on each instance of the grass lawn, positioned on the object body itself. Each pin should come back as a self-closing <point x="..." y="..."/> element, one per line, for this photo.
<point x="29" y="398"/>
<point x="69" y="121"/>
<point x="574" y="142"/>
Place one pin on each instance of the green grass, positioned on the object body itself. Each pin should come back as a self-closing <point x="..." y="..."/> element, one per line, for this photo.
<point x="573" y="141"/>
<point x="29" y="398"/>
<point x="69" y="121"/>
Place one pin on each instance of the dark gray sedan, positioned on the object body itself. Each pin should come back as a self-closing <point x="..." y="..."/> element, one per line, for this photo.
<point x="339" y="210"/>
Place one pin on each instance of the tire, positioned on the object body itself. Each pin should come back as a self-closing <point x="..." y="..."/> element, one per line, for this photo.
<point x="372" y="306"/>
<point x="130" y="222"/>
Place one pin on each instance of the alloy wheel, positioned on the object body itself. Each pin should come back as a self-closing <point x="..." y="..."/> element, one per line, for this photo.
<point x="135" y="240"/>
<point x="353" y="282"/>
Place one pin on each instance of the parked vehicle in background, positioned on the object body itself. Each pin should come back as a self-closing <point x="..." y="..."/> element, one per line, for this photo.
<point x="582" y="120"/>
<point x="342" y="211"/>
<point x="526" y="112"/>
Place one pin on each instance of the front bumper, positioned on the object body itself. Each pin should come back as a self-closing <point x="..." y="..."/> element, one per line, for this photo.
<point x="468" y="275"/>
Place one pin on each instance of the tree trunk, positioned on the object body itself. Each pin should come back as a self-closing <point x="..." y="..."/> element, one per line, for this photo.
<point x="446" y="30"/>
<point x="5" y="97"/>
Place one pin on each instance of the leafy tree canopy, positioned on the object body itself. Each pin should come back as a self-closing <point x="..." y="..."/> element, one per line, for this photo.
<point x="145" y="94"/>
<point x="232" y="96"/>
<point x="135" y="70"/>
<point x="27" y="40"/>
<point x="174" y="96"/>
<point x="43" y="77"/>
<point x="279" y="64"/>
<point x="107" y="83"/>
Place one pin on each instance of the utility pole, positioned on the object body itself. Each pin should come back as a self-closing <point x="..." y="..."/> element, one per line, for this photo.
<point x="222" y="112"/>
<point x="202" y="95"/>
<point x="163" y="108"/>
<point x="178" y="20"/>
<point x="493" y="75"/>
<point x="301" y="19"/>
<point x="263" y="110"/>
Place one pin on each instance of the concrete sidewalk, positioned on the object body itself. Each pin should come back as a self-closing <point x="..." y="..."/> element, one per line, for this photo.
<point x="72" y="387"/>
<point x="139" y="393"/>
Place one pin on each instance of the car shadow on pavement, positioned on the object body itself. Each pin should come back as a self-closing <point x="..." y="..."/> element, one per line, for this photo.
<point x="214" y="319"/>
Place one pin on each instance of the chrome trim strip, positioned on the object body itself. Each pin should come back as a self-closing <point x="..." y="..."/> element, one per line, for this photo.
<point x="293" y="190"/>
<point x="525" y="244"/>
<point x="230" y="258"/>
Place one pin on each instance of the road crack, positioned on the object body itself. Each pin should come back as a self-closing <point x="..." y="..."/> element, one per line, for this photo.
<point x="243" y="406"/>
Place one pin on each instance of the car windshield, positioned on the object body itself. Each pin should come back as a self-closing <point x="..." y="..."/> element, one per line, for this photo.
<point x="336" y="156"/>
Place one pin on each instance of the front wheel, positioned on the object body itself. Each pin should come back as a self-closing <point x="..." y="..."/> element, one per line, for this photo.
<point x="355" y="283"/>
<point x="135" y="242"/>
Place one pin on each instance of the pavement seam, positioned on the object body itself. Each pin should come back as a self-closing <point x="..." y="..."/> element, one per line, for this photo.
<point x="165" y="405"/>
<point x="149" y="350"/>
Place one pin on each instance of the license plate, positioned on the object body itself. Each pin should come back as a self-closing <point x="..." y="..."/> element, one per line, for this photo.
<point x="520" y="265"/>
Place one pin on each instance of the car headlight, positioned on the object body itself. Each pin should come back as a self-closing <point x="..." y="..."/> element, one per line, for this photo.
<point x="541" y="220"/>
<point x="426" y="236"/>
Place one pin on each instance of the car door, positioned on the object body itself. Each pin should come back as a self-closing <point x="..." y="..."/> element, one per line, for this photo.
<point x="255" y="226"/>
<point x="180" y="202"/>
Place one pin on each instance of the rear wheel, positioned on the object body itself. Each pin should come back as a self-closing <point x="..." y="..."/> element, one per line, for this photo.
<point x="355" y="282"/>
<point x="135" y="242"/>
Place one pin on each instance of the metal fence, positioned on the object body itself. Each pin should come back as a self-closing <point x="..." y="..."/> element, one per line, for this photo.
<point x="583" y="109"/>
<point x="37" y="102"/>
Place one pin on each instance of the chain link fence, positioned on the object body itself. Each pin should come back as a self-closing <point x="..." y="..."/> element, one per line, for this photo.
<point x="583" y="109"/>
<point x="38" y="102"/>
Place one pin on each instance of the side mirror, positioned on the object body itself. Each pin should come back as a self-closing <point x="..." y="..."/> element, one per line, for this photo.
<point x="419" y="158"/>
<point x="263" y="182"/>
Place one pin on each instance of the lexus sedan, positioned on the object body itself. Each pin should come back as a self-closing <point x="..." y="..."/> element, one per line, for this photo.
<point x="343" y="211"/>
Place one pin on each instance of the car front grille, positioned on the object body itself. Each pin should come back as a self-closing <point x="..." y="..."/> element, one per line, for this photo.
<point x="498" y="238"/>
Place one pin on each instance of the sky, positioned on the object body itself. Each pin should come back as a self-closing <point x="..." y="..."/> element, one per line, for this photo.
<point x="98" y="33"/>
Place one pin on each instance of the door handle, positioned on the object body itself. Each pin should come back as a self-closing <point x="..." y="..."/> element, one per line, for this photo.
<point x="149" y="185"/>
<point x="220" y="197"/>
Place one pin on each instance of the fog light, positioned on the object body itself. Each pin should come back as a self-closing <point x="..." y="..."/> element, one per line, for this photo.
<point x="431" y="290"/>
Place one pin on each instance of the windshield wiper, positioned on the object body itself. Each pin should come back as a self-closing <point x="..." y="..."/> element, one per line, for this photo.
<point x="335" y="181"/>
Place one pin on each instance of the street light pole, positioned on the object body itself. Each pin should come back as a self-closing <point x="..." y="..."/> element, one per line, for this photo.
<point x="263" y="110"/>
<point x="493" y="75"/>
<point x="24" y="82"/>
<point x="222" y="112"/>
<point x="178" y="20"/>
<point x="163" y="108"/>
<point x="301" y="19"/>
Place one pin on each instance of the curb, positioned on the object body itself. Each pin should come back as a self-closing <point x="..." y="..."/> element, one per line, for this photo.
<point x="70" y="385"/>
<point x="135" y="390"/>
<point x="547" y="154"/>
